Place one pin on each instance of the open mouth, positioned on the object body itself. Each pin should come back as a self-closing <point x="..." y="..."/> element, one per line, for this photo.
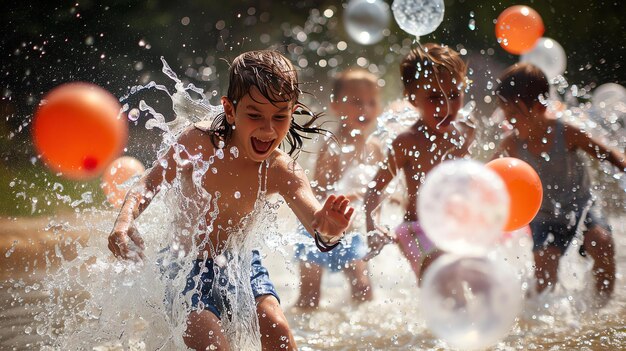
<point x="261" y="146"/>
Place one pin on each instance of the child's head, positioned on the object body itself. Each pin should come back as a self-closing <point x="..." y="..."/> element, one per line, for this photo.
<point x="356" y="99"/>
<point x="521" y="88"/>
<point x="434" y="78"/>
<point x="263" y="93"/>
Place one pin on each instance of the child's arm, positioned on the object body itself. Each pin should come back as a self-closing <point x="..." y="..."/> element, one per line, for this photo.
<point x="326" y="172"/>
<point x="330" y="220"/>
<point x="468" y="131"/>
<point x="137" y="200"/>
<point x="583" y="140"/>
<point x="395" y="160"/>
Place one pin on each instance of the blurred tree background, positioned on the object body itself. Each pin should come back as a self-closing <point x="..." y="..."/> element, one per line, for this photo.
<point x="119" y="44"/>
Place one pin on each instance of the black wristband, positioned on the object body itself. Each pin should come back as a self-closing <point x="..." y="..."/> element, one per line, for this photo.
<point x="321" y="245"/>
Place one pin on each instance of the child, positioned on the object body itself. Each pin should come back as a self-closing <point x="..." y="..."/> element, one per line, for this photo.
<point x="550" y="146"/>
<point x="262" y="96"/>
<point x="434" y="79"/>
<point x="356" y="100"/>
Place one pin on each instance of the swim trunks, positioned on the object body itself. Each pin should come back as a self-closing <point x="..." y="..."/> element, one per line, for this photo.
<point x="351" y="248"/>
<point x="414" y="243"/>
<point x="208" y="292"/>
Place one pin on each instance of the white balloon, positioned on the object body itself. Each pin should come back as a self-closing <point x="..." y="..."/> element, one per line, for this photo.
<point x="549" y="56"/>
<point x="365" y="20"/>
<point x="609" y="110"/>
<point x="463" y="207"/>
<point x="418" y="17"/>
<point x="470" y="302"/>
<point x="608" y="95"/>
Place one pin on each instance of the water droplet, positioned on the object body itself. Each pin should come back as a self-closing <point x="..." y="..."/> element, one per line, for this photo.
<point x="237" y="195"/>
<point x="133" y="114"/>
<point x="234" y="151"/>
<point x="219" y="153"/>
<point x="472" y="24"/>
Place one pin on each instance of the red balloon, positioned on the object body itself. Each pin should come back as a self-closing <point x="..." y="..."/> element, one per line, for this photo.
<point x="518" y="28"/>
<point x="524" y="187"/>
<point x="116" y="174"/>
<point x="78" y="130"/>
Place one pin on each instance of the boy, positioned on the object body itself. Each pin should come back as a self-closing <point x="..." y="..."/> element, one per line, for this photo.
<point x="356" y="101"/>
<point x="434" y="79"/>
<point x="262" y="96"/>
<point x="550" y="146"/>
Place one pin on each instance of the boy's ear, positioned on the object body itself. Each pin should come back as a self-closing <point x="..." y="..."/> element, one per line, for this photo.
<point x="229" y="110"/>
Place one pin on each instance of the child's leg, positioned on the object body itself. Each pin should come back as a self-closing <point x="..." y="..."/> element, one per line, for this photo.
<point x="599" y="245"/>
<point x="409" y="247"/>
<point x="275" y="332"/>
<point x="310" y="285"/>
<point x="546" y="266"/>
<point x="204" y="332"/>
<point x="428" y="260"/>
<point x="359" y="281"/>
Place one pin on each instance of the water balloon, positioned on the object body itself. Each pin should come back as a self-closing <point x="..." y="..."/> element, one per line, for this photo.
<point x="78" y="130"/>
<point x="518" y="28"/>
<point x="608" y="95"/>
<point x="549" y="56"/>
<point x="524" y="188"/>
<point x="365" y="20"/>
<point x="418" y="17"/>
<point x="470" y="302"/>
<point x="463" y="207"/>
<point x="115" y="177"/>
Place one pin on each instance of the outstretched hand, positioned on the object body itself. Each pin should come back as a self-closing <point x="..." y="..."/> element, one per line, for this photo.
<point x="334" y="218"/>
<point x="126" y="243"/>
<point x="376" y="240"/>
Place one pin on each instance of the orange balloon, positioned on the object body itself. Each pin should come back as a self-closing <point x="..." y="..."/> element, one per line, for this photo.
<point x="524" y="187"/>
<point x="518" y="28"/>
<point x="78" y="130"/>
<point x="116" y="174"/>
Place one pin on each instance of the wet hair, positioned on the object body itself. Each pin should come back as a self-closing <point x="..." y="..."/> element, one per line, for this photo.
<point x="522" y="82"/>
<point x="276" y="79"/>
<point x="431" y="58"/>
<point x="352" y="75"/>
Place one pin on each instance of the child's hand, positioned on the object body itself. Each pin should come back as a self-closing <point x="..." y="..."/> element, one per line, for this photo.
<point x="334" y="217"/>
<point x="376" y="240"/>
<point x="125" y="242"/>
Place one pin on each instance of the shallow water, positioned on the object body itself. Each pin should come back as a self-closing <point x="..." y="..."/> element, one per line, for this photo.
<point x="562" y="320"/>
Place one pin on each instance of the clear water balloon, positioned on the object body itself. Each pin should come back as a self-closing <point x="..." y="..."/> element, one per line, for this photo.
<point x="366" y="20"/>
<point x="418" y="17"/>
<point x="463" y="207"/>
<point x="470" y="302"/>
<point x="549" y="56"/>
<point x="608" y="95"/>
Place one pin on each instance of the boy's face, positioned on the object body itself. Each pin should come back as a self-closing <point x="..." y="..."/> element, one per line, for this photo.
<point x="259" y="125"/>
<point x="358" y="105"/>
<point x="438" y="102"/>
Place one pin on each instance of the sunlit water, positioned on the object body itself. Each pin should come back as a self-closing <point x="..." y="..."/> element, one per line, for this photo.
<point x="63" y="289"/>
<point x="563" y="320"/>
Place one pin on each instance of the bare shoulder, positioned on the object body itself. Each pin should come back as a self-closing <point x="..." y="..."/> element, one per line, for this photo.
<point x="196" y="141"/>
<point x="576" y="138"/>
<point x="281" y="165"/>
<point x="410" y="140"/>
<point x="283" y="172"/>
